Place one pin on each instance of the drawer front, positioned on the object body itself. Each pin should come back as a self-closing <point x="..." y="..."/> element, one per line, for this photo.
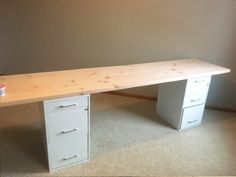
<point x="196" y="91"/>
<point x="63" y="104"/>
<point x="192" y="116"/>
<point x="68" y="152"/>
<point x="67" y="124"/>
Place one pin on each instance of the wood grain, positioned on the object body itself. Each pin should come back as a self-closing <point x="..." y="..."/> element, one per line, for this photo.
<point x="26" y="88"/>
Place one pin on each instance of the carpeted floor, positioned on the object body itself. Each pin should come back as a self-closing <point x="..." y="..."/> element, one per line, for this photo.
<point x="127" y="139"/>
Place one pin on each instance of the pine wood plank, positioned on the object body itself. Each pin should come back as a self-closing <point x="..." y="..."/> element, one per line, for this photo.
<point x="26" y="88"/>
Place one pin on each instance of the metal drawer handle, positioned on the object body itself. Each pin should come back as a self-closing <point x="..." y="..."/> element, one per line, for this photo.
<point x="196" y="100"/>
<point x="69" y="131"/>
<point x="197" y="81"/>
<point x="192" y="121"/>
<point x="68" y="158"/>
<point x="69" y="105"/>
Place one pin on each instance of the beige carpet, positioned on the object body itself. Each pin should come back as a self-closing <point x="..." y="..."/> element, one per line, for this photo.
<point x="127" y="138"/>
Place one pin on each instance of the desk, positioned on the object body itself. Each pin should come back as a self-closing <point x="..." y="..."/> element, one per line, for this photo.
<point x="65" y="99"/>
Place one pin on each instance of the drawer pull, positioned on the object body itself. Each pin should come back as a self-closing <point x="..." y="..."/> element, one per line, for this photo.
<point x="198" y="81"/>
<point x="71" y="157"/>
<point x="67" y="106"/>
<point x="192" y="121"/>
<point x="196" y="100"/>
<point x="69" y="131"/>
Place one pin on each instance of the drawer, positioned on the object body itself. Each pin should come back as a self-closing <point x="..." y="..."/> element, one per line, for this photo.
<point x="68" y="152"/>
<point x="66" y="103"/>
<point x="192" y="116"/>
<point x="67" y="124"/>
<point x="196" y="91"/>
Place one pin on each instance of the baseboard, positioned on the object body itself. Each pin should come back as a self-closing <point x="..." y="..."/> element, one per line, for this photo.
<point x="211" y="107"/>
<point x="132" y="95"/>
<point x="218" y="108"/>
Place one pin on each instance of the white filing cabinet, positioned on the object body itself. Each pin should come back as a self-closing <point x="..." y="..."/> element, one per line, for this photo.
<point x="66" y="130"/>
<point x="182" y="103"/>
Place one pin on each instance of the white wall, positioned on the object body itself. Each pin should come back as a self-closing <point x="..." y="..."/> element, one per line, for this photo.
<point x="42" y="35"/>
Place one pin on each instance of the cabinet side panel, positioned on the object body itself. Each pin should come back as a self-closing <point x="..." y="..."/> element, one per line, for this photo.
<point x="43" y="128"/>
<point x="170" y="102"/>
<point x="88" y="127"/>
